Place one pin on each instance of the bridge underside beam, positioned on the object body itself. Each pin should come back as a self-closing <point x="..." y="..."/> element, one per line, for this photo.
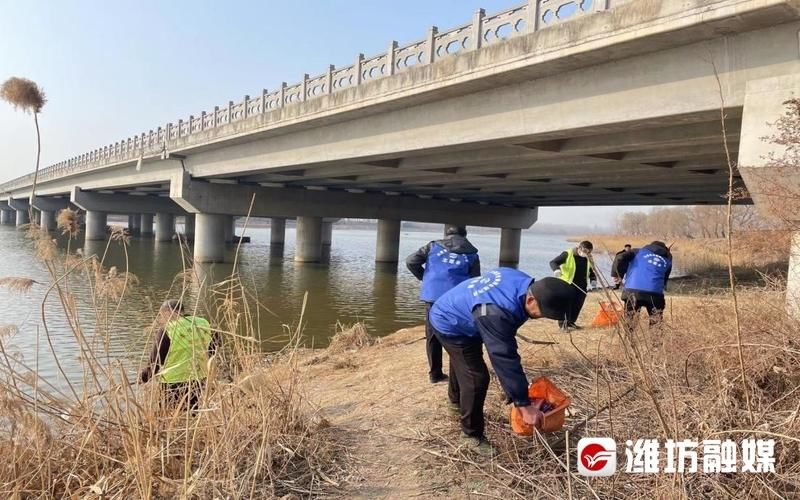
<point x="124" y="203"/>
<point x="234" y="199"/>
<point x="48" y="204"/>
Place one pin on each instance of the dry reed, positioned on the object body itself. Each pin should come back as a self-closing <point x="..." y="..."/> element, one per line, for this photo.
<point x="116" y="439"/>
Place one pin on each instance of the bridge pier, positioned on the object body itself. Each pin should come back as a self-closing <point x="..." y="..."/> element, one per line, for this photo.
<point x="47" y="220"/>
<point x="308" y="247"/>
<point x="230" y="228"/>
<point x="165" y="226"/>
<point x="277" y="231"/>
<point x="133" y="224"/>
<point x="510" y="240"/>
<point x="96" y="223"/>
<point x="146" y="226"/>
<point x="189" y="225"/>
<point x="209" y="238"/>
<point x="22" y="208"/>
<point x="22" y="217"/>
<point x="327" y="233"/>
<point x="7" y="217"/>
<point x="770" y="172"/>
<point x="387" y="248"/>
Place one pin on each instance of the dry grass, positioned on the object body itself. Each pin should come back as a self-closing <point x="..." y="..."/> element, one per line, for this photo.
<point x="352" y="338"/>
<point x="754" y="252"/>
<point x="23" y="93"/>
<point x="687" y="370"/>
<point x="115" y="439"/>
<point x="17" y="285"/>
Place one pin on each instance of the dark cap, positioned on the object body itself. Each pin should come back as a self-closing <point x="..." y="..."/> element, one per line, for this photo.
<point x="586" y="244"/>
<point x="451" y="229"/>
<point x="554" y="296"/>
<point x="172" y="305"/>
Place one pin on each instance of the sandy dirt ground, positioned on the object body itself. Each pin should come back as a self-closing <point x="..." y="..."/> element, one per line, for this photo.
<point x="397" y="428"/>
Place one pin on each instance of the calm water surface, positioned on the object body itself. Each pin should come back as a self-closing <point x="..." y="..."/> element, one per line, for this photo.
<point x="348" y="288"/>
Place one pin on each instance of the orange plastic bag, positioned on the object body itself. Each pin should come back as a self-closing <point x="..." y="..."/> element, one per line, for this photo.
<point x="608" y="315"/>
<point x="542" y="388"/>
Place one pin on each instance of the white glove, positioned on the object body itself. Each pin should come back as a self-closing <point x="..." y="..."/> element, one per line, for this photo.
<point x="557" y="273"/>
<point x="593" y="283"/>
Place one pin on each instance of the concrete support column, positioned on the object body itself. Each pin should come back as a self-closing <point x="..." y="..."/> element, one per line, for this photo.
<point x="165" y="226"/>
<point x="209" y="238"/>
<point x="37" y="217"/>
<point x="308" y="247"/>
<point x="230" y="228"/>
<point x="48" y="220"/>
<point x="146" y="228"/>
<point x="189" y="225"/>
<point x="388" y="245"/>
<point x="96" y="223"/>
<point x="327" y="233"/>
<point x="277" y="231"/>
<point x="23" y="217"/>
<point x="135" y="223"/>
<point x="6" y="217"/>
<point x="793" y="278"/>
<point x="510" y="240"/>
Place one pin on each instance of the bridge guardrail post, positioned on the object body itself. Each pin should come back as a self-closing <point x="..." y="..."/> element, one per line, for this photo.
<point x="534" y="15"/>
<point x="329" y="79"/>
<point x="477" y="29"/>
<point x="430" y="45"/>
<point x="391" y="58"/>
<point x="283" y="94"/>
<point x="304" y="88"/>
<point x="357" y="69"/>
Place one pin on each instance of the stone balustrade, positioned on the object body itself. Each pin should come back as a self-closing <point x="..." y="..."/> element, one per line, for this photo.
<point x="482" y="31"/>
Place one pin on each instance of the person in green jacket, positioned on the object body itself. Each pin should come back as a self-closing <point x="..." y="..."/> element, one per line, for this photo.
<point x="180" y="354"/>
<point x="574" y="266"/>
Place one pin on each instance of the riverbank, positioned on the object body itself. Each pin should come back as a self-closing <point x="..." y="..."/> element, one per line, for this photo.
<point x="758" y="256"/>
<point x="359" y="419"/>
<point x="402" y="441"/>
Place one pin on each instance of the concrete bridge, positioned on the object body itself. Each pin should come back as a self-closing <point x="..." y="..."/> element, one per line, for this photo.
<point x="550" y="103"/>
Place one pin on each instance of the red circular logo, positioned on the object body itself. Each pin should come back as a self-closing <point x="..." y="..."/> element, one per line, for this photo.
<point x="593" y="457"/>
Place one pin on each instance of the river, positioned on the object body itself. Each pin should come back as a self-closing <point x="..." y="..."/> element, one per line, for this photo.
<point x="348" y="288"/>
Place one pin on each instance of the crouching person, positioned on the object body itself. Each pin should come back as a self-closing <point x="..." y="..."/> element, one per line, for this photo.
<point x="179" y="356"/>
<point x="488" y="310"/>
<point x="646" y="271"/>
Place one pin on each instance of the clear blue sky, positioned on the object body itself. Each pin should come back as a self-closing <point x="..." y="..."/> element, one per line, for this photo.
<point x="114" y="69"/>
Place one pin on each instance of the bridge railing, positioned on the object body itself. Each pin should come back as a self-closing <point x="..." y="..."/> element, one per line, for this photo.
<point x="482" y="31"/>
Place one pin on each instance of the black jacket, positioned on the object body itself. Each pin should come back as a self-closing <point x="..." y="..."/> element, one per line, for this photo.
<point x="453" y="243"/>
<point x="623" y="260"/>
<point x="580" y="268"/>
<point x="619" y="268"/>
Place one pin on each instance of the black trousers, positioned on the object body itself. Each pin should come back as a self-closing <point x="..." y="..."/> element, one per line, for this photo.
<point x="469" y="380"/>
<point x="186" y="394"/>
<point x="654" y="303"/>
<point x="578" y="299"/>
<point x="432" y="344"/>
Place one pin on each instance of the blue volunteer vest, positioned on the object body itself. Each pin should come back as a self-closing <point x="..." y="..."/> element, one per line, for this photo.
<point x="443" y="271"/>
<point x="646" y="272"/>
<point x="504" y="287"/>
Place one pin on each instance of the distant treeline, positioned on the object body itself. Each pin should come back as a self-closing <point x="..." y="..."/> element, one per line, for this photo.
<point x="701" y="221"/>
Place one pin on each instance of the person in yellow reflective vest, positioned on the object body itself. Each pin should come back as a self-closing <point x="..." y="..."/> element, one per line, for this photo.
<point x="179" y="355"/>
<point x="575" y="267"/>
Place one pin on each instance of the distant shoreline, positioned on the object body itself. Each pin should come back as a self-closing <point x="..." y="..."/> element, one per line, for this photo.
<point x="571" y="232"/>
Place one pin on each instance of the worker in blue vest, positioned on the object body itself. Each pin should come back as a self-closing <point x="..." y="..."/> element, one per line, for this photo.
<point x="441" y="265"/>
<point x="574" y="266"/>
<point x="488" y="310"/>
<point x="646" y="271"/>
